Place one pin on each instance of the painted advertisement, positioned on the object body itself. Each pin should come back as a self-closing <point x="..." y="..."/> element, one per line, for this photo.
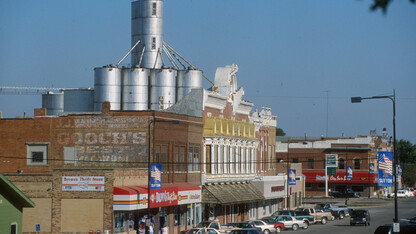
<point x="83" y="183"/>
<point x="385" y="169"/>
<point x="167" y="196"/>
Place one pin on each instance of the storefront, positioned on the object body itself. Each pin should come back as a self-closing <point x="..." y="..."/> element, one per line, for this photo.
<point x="177" y="206"/>
<point x="361" y="181"/>
<point x="273" y="189"/>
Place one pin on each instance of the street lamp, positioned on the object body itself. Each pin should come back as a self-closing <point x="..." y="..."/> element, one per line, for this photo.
<point x="395" y="158"/>
<point x="287" y="171"/>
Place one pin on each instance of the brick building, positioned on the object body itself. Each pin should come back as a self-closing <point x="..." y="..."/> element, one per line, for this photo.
<point x="359" y="153"/>
<point x="90" y="171"/>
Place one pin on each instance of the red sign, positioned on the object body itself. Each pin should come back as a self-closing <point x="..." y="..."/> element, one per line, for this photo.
<point x="359" y="177"/>
<point x="166" y="196"/>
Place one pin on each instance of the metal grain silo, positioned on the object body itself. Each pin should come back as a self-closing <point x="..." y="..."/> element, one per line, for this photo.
<point x="163" y="89"/>
<point x="107" y="85"/>
<point x="134" y="90"/>
<point x="147" y="26"/>
<point x="193" y="80"/>
<point x="53" y="102"/>
<point x="180" y="84"/>
<point x="79" y="100"/>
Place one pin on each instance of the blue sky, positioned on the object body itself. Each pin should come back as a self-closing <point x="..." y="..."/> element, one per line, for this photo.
<point x="291" y="54"/>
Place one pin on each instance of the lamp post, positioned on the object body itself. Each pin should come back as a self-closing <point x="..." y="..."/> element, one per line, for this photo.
<point x="287" y="179"/>
<point x="395" y="158"/>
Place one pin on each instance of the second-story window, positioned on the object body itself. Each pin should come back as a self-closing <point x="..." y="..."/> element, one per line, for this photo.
<point x="154" y="8"/>
<point x="310" y="163"/>
<point x="341" y="163"/>
<point x="357" y="163"/>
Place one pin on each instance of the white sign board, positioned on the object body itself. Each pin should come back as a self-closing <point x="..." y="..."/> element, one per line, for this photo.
<point x="83" y="183"/>
<point x="331" y="160"/>
<point x="396" y="227"/>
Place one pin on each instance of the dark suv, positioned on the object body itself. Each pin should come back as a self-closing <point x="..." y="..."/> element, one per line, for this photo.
<point x="346" y="193"/>
<point x="360" y="216"/>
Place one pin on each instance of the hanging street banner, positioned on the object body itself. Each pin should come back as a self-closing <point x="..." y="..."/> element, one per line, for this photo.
<point x="371" y="168"/>
<point x="292" y="177"/>
<point x="349" y="172"/>
<point x="385" y="169"/>
<point x="156" y="176"/>
<point x="399" y="170"/>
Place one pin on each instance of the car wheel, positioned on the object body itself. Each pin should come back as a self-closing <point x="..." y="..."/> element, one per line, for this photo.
<point x="332" y="218"/>
<point x="368" y="223"/>
<point x="341" y="215"/>
<point x="365" y="224"/>
<point x="324" y="220"/>
<point x="295" y="227"/>
<point x="306" y="225"/>
<point x="278" y="229"/>
<point x="266" y="231"/>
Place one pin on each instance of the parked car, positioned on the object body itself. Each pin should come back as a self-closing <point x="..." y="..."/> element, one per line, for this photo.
<point x="202" y="231"/>
<point x="360" y="216"/>
<point x="291" y="222"/>
<point x="345" y="193"/>
<point x="409" y="220"/>
<point x="272" y="220"/>
<point x="339" y="211"/>
<point x="214" y="225"/>
<point x="245" y="231"/>
<point x="265" y="227"/>
<point x="332" y="217"/>
<point x="319" y="216"/>
<point x="400" y="194"/>
<point x="299" y="215"/>
<point x="405" y="228"/>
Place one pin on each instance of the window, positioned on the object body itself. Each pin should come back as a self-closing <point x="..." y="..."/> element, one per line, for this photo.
<point x="70" y="155"/>
<point x="37" y="153"/>
<point x="208" y="158"/>
<point x="357" y="188"/>
<point x="161" y="157"/>
<point x="295" y="160"/>
<point x="280" y="160"/>
<point x="177" y="166"/>
<point x="357" y="163"/>
<point x="324" y="161"/>
<point x="341" y="163"/>
<point x="153" y="43"/>
<point x="310" y="163"/>
<point x="308" y="185"/>
<point x="196" y="159"/>
<point x="13" y="228"/>
<point x="154" y="9"/>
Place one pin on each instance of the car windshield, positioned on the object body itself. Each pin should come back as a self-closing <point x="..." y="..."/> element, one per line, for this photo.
<point x="359" y="213"/>
<point x="269" y="221"/>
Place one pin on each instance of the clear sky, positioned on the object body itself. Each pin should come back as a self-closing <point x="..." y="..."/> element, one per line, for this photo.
<point x="291" y="55"/>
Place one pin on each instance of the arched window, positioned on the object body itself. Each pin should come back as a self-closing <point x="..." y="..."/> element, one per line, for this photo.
<point x="341" y="163"/>
<point x="357" y="163"/>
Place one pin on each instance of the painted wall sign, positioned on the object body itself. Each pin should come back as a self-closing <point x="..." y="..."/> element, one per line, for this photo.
<point x="83" y="183"/>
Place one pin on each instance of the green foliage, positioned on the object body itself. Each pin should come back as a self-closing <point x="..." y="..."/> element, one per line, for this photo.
<point x="280" y="132"/>
<point x="409" y="174"/>
<point x="406" y="151"/>
<point x="383" y="4"/>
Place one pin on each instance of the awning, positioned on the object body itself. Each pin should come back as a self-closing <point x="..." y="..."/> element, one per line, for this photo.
<point x="136" y="197"/>
<point x="359" y="177"/>
<point x="232" y="193"/>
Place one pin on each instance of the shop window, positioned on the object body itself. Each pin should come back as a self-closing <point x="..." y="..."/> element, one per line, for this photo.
<point x="357" y="188"/>
<point x="270" y="207"/>
<point x="341" y="163"/>
<point x="310" y="163"/>
<point x="296" y="198"/>
<point x="264" y="208"/>
<point x="37" y="153"/>
<point x="321" y="186"/>
<point x="357" y="163"/>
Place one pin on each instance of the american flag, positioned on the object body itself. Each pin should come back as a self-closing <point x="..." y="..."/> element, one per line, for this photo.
<point x="385" y="164"/>
<point x="156" y="174"/>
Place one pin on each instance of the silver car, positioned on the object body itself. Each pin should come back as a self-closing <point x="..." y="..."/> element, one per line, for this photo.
<point x="265" y="227"/>
<point x="291" y="222"/>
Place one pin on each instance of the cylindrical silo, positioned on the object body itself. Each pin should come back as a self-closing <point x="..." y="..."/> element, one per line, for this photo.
<point x="53" y="102"/>
<point x="147" y="26"/>
<point x="180" y="84"/>
<point x="135" y="89"/>
<point x="193" y="80"/>
<point x="79" y="100"/>
<point x="163" y="89"/>
<point x="107" y="85"/>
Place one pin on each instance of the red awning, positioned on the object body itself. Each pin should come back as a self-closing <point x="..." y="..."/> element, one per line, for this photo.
<point x="318" y="176"/>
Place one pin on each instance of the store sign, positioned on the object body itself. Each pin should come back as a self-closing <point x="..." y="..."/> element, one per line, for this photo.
<point x="318" y="176"/>
<point x="167" y="196"/>
<point x="189" y="196"/>
<point x="385" y="169"/>
<point x="292" y="177"/>
<point x="83" y="183"/>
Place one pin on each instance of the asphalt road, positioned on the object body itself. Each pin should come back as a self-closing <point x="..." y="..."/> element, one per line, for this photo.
<point x="380" y="215"/>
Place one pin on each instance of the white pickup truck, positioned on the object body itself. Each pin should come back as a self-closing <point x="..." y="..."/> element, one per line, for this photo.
<point x="339" y="211"/>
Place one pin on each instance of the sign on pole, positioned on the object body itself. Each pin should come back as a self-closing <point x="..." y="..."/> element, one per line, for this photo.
<point x="332" y="170"/>
<point x="349" y="172"/>
<point x="292" y="177"/>
<point x="331" y="160"/>
<point x="385" y="169"/>
<point x="156" y="176"/>
<point x="399" y="170"/>
<point x="371" y="168"/>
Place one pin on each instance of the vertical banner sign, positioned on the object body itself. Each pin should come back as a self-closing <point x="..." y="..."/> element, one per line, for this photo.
<point x="156" y="176"/>
<point x="399" y="170"/>
<point x="371" y="168"/>
<point x="349" y="172"/>
<point x="385" y="169"/>
<point x="292" y="177"/>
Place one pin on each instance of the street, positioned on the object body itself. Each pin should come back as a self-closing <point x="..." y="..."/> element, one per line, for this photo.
<point x="379" y="215"/>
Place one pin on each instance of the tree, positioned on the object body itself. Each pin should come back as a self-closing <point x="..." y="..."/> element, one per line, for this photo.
<point x="409" y="174"/>
<point x="383" y="4"/>
<point x="406" y="151"/>
<point x="280" y="132"/>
